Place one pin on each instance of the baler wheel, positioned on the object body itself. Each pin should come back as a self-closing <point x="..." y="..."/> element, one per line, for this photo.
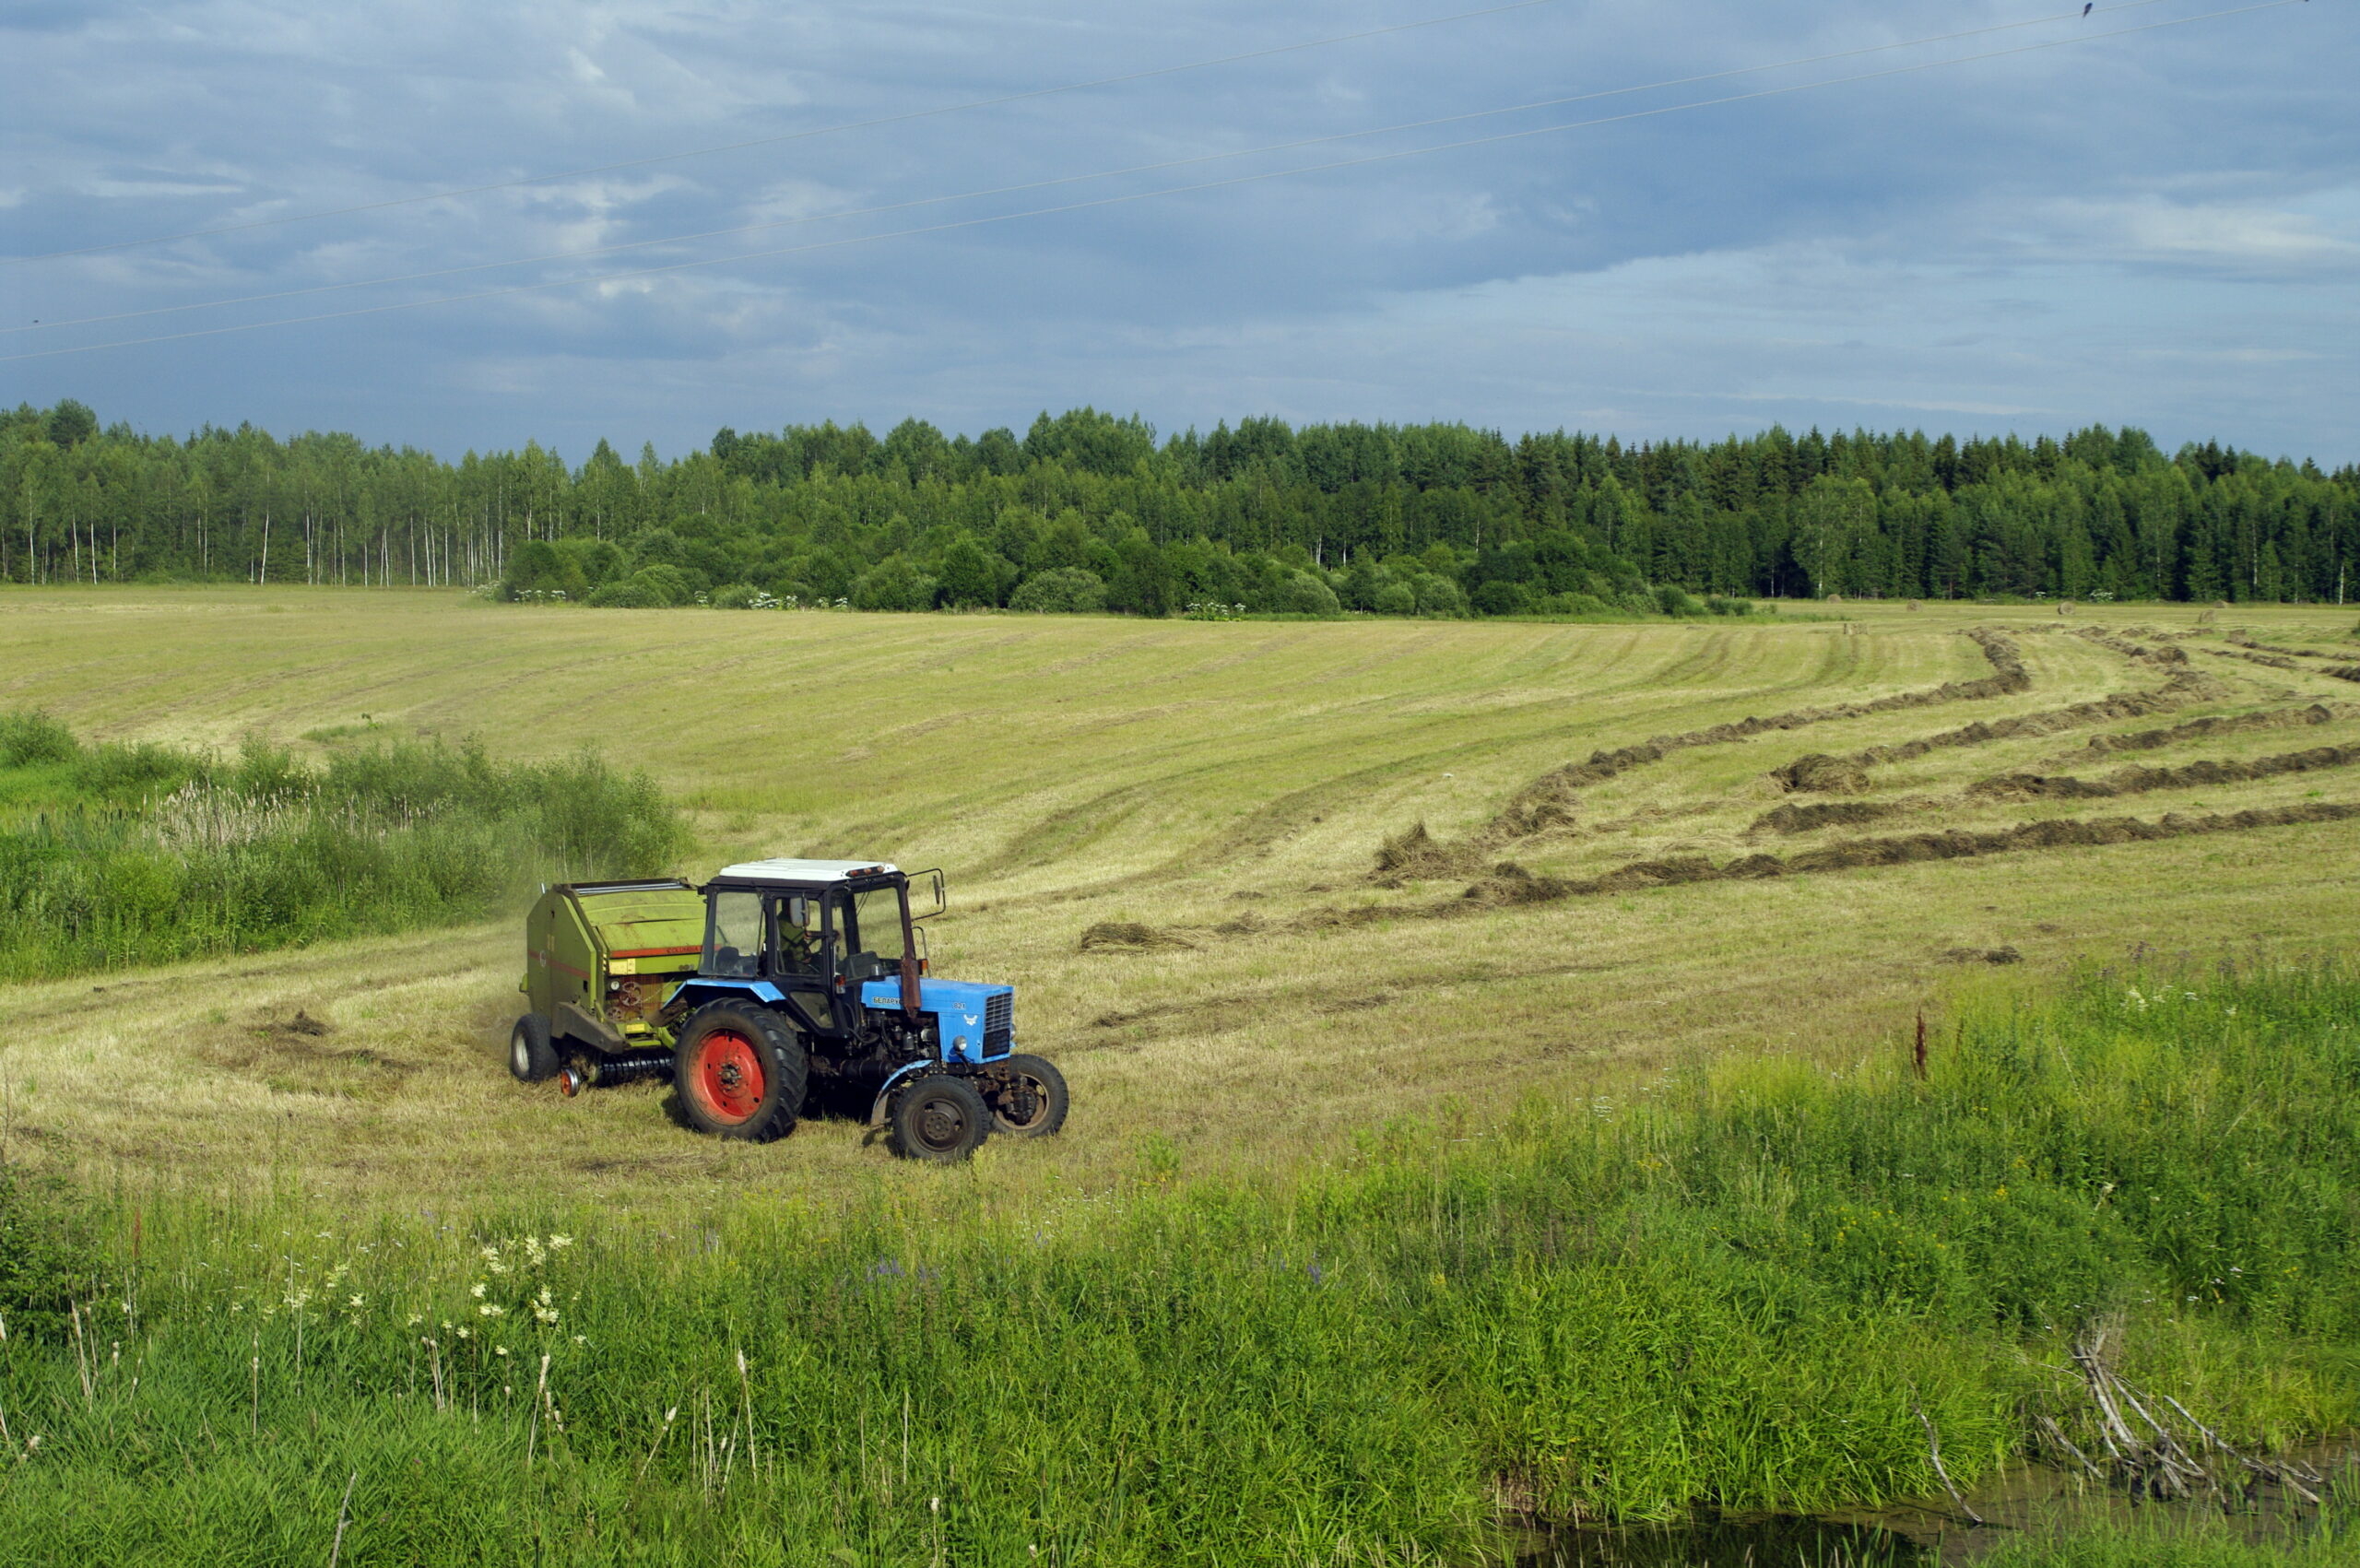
<point x="740" y="1071"/>
<point x="940" y="1119"/>
<point x="531" y="1057"/>
<point x="1027" y="1096"/>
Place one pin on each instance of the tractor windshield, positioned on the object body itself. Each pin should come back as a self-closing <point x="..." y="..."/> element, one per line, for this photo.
<point x="877" y="923"/>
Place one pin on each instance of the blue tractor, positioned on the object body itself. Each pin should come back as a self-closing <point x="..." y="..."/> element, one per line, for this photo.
<point x="808" y="989"/>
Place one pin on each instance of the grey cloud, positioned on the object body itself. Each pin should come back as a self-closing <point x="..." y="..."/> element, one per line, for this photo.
<point x="1996" y="242"/>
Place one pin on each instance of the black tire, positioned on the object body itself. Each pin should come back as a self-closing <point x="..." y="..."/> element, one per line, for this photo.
<point x="740" y="1071"/>
<point x="531" y="1057"/>
<point x="1027" y="1096"/>
<point x="940" y="1119"/>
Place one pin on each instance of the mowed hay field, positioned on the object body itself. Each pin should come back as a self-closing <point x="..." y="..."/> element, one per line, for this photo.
<point x="1219" y="793"/>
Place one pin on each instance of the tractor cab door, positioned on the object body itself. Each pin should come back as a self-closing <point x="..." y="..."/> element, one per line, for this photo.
<point x="876" y="932"/>
<point x="802" y="953"/>
<point x="733" y="934"/>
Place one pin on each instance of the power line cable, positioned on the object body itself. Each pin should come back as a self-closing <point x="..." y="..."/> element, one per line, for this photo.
<point x="1167" y="191"/>
<point x="578" y="254"/>
<point x="787" y="135"/>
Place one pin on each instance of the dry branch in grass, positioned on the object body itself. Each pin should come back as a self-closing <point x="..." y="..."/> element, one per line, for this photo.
<point x="2148" y="1455"/>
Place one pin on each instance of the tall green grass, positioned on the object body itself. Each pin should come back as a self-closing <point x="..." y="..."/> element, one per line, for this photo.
<point x="1741" y="1287"/>
<point x="113" y="855"/>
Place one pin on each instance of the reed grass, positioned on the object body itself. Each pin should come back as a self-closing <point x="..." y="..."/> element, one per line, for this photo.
<point x="115" y="855"/>
<point x="1741" y="1286"/>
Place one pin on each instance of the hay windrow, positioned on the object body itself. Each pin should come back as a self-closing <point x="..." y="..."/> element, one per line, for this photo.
<point x="2232" y="724"/>
<point x="2273" y="657"/>
<point x="2137" y="781"/>
<point x="1415" y="856"/>
<point x="1510" y="884"/>
<point x="2243" y="640"/>
<point x="2186" y="686"/>
<point x="1130" y="937"/>
<point x="1792" y="819"/>
<point x="2164" y="654"/>
<point x="1549" y="802"/>
<point x="1816" y="773"/>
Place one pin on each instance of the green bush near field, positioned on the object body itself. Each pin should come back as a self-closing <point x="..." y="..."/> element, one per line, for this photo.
<point x="114" y="855"/>
<point x="1739" y="1287"/>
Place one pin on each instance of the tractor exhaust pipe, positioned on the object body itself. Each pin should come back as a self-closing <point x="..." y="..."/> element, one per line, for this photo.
<point x="606" y="1072"/>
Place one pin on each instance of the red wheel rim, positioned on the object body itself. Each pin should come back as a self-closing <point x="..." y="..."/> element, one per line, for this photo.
<point x="728" y="1076"/>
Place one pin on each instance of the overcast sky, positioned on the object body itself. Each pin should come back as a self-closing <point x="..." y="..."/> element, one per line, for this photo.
<point x="2160" y="229"/>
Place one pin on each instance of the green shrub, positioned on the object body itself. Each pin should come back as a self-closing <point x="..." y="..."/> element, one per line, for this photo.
<point x="1396" y="599"/>
<point x="1062" y="590"/>
<point x="599" y="561"/>
<point x="538" y="569"/>
<point x="1441" y="598"/>
<point x="1303" y="593"/>
<point x="47" y="1259"/>
<point x="632" y="592"/>
<point x="29" y="739"/>
<point x="265" y="852"/>
<point x="736" y="596"/>
<point x="895" y="583"/>
<point x="1501" y="598"/>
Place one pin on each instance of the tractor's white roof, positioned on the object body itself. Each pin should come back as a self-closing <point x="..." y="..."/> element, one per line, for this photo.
<point x="802" y="870"/>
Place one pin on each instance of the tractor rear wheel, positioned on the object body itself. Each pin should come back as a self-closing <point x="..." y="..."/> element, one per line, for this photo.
<point x="531" y="1057"/>
<point x="1027" y="1096"/>
<point x="740" y="1071"/>
<point x="939" y="1118"/>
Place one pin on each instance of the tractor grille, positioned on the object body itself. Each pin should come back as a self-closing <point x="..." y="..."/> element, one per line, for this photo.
<point x="999" y="1023"/>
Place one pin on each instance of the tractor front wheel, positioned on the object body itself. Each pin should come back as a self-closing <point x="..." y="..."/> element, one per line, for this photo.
<point x="740" y="1071"/>
<point x="939" y="1118"/>
<point x="531" y="1057"/>
<point x="1027" y="1096"/>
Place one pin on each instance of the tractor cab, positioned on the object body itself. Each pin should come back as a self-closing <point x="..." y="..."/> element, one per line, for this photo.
<point x="829" y="923"/>
<point x="831" y="941"/>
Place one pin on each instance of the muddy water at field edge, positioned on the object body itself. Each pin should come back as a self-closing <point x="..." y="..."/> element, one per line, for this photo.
<point x="2034" y="1501"/>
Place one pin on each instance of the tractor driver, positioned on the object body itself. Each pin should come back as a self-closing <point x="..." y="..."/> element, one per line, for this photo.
<point x="798" y="936"/>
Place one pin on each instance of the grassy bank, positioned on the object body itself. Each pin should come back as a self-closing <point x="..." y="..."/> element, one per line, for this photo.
<point x="1741" y="1286"/>
<point x="113" y="855"/>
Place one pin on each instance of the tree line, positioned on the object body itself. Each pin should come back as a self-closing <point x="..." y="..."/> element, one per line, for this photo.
<point x="1087" y="511"/>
